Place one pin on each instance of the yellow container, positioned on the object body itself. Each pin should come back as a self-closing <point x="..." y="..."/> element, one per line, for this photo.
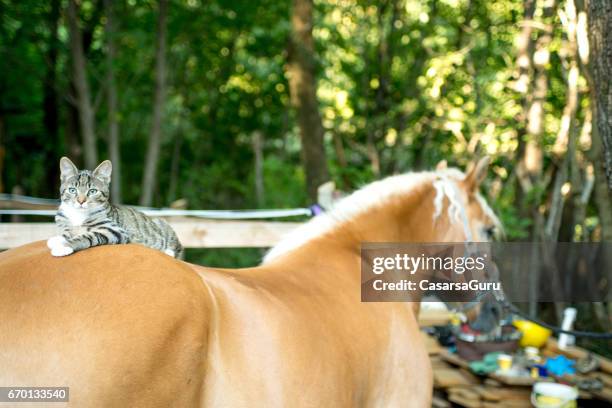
<point x="534" y="335"/>
<point x="504" y="362"/>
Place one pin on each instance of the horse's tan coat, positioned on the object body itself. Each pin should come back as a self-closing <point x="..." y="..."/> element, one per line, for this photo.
<point x="127" y="326"/>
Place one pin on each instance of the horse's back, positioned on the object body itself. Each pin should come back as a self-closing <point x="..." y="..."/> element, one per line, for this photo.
<point x="296" y="342"/>
<point x="120" y="325"/>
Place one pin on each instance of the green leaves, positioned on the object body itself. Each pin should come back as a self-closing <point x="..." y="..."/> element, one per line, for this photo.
<point x="404" y="82"/>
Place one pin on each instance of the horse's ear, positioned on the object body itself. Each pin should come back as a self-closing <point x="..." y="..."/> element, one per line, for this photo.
<point x="442" y="165"/>
<point x="476" y="173"/>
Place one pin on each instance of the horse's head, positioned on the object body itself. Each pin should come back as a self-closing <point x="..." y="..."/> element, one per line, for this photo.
<point x="460" y="213"/>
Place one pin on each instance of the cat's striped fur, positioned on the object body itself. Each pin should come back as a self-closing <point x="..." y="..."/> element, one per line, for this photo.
<point x="86" y="217"/>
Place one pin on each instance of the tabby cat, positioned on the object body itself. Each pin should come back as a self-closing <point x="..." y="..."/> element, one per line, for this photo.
<point x="87" y="218"/>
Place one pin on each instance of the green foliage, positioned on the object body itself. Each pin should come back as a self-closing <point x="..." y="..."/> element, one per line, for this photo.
<point x="413" y="81"/>
<point x="226" y="258"/>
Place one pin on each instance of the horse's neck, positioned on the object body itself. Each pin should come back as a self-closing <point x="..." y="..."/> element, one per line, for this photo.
<point x="406" y="217"/>
<point x="337" y="252"/>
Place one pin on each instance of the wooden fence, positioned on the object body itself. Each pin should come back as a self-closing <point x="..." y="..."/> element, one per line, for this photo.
<point x="193" y="233"/>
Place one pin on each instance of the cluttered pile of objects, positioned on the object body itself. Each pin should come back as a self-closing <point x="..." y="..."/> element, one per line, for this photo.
<point x="519" y="364"/>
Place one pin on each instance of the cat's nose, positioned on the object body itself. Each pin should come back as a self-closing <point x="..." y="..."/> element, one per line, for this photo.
<point x="81" y="200"/>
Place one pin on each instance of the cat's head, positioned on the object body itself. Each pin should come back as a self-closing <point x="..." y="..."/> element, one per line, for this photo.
<point x="84" y="188"/>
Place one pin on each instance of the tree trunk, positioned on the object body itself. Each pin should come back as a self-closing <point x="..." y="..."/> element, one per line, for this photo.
<point x="532" y="159"/>
<point x="602" y="195"/>
<point x="570" y="46"/>
<point x="152" y="158"/>
<point x="258" y="166"/>
<point x="113" y="123"/>
<point x="565" y="144"/>
<point x="50" y="98"/>
<point x="524" y="48"/>
<point x="598" y="28"/>
<point x="603" y="201"/>
<point x="2" y="152"/>
<point x="600" y="39"/>
<point x="384" y="55"/>
<point x="303" y="89"/>
<point x="529" y="168"/>
<point x="83" y="96"/>
<point x="175" y="166"/>
<point x="341" y="158"/>
<point x="523" y="86"/>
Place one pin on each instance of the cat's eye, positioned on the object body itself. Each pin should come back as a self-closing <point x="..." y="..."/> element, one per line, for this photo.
<point x="92" y="191"/>
<point x="72" y="190"/>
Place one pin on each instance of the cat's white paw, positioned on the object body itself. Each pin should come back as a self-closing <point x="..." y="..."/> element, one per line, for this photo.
<point x="56" y="241"/>
<point x="61" y="250"/>
<point x="169" y="252"/>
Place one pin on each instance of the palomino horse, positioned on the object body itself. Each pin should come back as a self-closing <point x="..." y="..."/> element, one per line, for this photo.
<point x="127" y="326"/>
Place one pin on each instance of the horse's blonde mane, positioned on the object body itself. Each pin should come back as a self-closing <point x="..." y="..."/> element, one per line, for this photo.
<point x="376" y="194"/>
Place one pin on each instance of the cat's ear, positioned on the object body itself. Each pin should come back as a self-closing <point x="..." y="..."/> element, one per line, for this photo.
<point x="67" y="168"/>
<point x="104" y="171"/>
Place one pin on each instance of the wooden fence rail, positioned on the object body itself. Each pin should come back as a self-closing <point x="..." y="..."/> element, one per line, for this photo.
<point x="193" y="233"/>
